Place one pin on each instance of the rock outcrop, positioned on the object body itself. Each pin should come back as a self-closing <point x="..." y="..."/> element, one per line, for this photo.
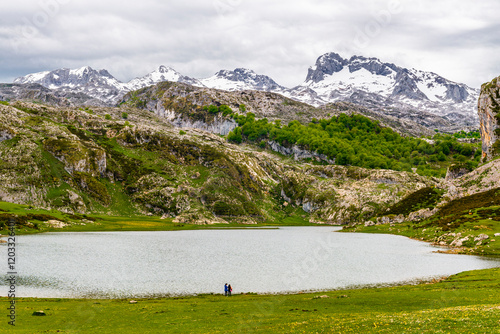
<point x="489" y="117"/>
<point x="456" y="171"/>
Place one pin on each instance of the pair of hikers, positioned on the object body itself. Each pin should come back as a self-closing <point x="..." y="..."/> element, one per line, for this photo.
<point x="227" y="290"/>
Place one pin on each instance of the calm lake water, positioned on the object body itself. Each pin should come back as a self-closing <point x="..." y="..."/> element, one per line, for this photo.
<point x="289" y="259"/>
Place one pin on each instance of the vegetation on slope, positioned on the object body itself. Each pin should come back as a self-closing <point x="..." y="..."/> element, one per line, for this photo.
<point x="356" y="140"/>
<point x="425" y="198"/>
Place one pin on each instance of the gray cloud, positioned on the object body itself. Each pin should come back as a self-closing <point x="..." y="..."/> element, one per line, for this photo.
<point x="280" y="38"/>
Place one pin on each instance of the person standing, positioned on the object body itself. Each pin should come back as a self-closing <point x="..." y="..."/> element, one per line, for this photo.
<point x="226" y="289"/>
<point x="229" y="290"/>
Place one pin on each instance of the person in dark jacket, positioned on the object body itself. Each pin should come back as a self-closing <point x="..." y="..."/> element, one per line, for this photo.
<point x="229" y="290"/>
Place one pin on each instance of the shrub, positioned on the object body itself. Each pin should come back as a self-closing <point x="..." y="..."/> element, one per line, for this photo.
<point x="213" y="109"/>
<point x="225" y="110"/>
<point x="124" y="115"/>
<point x="107" y="116"/>
<point x="235" y="136"/>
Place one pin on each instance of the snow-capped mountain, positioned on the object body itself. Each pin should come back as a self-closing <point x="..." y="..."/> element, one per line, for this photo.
<point x="163" y="73"/>
<point x="95" y="83"/>
<point x="100" y="84"/>
<point x="84" y="76"/>
<point x="241" y="79"/>
<point x="370" y="82"/>
<point x="382" y="87"/>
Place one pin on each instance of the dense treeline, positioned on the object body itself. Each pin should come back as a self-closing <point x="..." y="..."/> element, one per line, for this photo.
<point x="358" y="141"/>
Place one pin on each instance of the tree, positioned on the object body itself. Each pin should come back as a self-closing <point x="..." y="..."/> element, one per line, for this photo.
<point x="124" y="115"/>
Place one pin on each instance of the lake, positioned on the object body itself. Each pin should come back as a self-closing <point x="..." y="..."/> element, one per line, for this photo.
<point x="288" y="259"/>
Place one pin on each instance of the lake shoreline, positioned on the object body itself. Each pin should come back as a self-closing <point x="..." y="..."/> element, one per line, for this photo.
<point x="290" y="260"/>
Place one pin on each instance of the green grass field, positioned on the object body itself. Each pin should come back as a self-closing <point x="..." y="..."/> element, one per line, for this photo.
<point x="465" y="303"/>
<point x="105" y="223"/>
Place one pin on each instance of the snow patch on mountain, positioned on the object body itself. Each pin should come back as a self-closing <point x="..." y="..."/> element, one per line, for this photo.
<point x="241" y="79"/>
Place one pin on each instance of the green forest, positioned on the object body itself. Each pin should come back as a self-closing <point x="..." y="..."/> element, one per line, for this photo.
<point x="358" y="141"/>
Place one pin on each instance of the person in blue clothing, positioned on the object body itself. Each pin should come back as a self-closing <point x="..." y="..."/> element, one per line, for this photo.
<point x="226" y="289"/>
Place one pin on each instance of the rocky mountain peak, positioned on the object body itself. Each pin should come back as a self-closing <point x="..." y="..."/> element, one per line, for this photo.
<point x="372" y="65"/>
<point x="165" y="69"/>
<point x="238" y="74"/>
<point x="327" y="64"/>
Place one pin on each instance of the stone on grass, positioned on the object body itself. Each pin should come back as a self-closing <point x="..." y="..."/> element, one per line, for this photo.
<point x="39" y="313"/>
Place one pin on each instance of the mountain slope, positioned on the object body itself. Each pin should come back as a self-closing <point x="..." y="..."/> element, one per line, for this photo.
<point x="39" y="93"/>
<point x="94" y="161"/>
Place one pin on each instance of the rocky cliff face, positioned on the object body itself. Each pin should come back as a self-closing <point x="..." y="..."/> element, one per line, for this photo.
<point x="489" y="117"/>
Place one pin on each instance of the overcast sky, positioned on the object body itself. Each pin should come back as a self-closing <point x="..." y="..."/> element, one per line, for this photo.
<point x="458" y="39"/>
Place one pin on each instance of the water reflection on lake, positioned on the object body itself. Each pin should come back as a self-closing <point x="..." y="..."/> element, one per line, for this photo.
<point x="289" y="259"/>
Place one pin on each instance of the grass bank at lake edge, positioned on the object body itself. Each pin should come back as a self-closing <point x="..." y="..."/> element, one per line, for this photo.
<point x="31" y="220"/>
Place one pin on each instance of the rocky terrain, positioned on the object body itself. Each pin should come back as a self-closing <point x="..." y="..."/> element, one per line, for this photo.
<point x="36" y="92"/>
<point x="94" y="160"/>
<point x="182" y="105"/>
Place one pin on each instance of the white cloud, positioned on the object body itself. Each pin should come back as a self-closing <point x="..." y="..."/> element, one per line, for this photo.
<point x="456" y="39"/>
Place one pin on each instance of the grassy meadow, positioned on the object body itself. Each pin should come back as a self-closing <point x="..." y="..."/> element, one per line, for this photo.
<point x="465" y="303"/>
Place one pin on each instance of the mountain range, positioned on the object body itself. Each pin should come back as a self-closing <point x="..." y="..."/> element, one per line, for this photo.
<point x="383" y="87"/>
